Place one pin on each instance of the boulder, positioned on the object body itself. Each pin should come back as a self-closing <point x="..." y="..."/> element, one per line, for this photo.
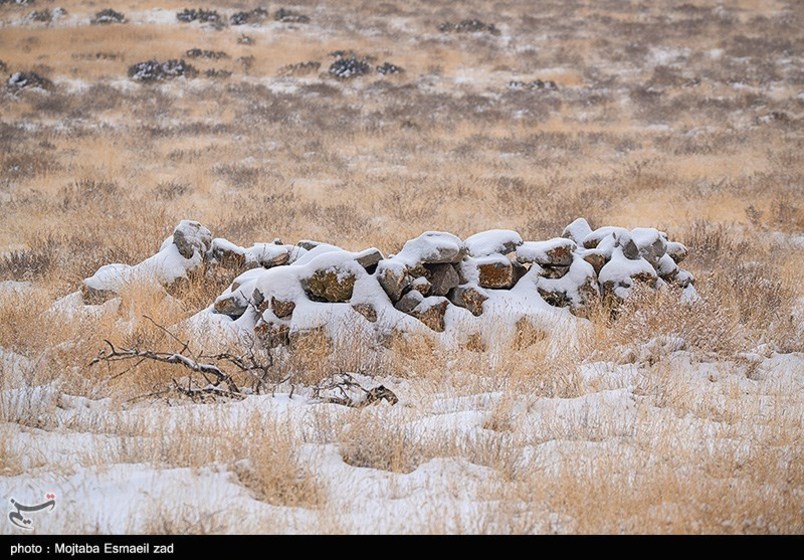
<point x="627" y="244"/>
<point x="432" y="247"/>
<point x="492" y="242"/>
<point x="268" y="255"/>
<point x="468" y="297"/>
<point x="555" y="252"/>
<point x="422" y="285"/>
<point x="442" y="278"/>
<point x="228" y="255"/>
<point x="369" y="259"/>
<point x="555" y="297"/>
<point x="593" y="239"/>
<point x="329" y="285"/>
<point x="191" y="237"/>
<point x="595" y="258"/>
<point x="431" y="312"/>
<point x="684" y="278"/>
<point x="409" y="301"/>
<point x="233" y="304"/>
<point x="393" y="279"/>
<point x="677" y="251"/>
<point x="652" y="244"/>
<point x="620" y="274"/>
<point x="577" y="231"/>
<point x="496" y="272"/>
<point x="553" y="272"/>
<point x="576" y="288"/>
<point x="366" y="310"/>
<point x="667" y="268"/>
<point x="519" y="269"/>
<point x="308" y="244"/>
<point x="282" y="308"/>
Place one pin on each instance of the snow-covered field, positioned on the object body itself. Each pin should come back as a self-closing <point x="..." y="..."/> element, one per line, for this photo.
<point x="326" y="133"/>
<point x="677" y="446"/>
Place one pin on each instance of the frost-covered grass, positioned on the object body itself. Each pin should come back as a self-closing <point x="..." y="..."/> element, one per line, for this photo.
<point x="665" y="419"/>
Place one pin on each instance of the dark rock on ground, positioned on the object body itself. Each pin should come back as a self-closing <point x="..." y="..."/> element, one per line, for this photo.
<point x="468" y="26"/>
<point x="153" y="70"/>
<point x="289" y="16"/>
<point x="188" y="15"/>
<point x="22" y="80"/>
<point x="348" y="68"/>
<point x="204" y="53"/>
<point x="386" y="68"/>
<point x="257" y="15"/>
<point x="217" y="73"/>
<point x="108" y="16"/>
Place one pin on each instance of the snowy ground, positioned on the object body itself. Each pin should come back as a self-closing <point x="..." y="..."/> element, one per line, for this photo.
<point x="484" y="461"/>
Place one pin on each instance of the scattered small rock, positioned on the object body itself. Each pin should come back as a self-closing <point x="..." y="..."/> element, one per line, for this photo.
<point x="257" y="15"/>
<point x="350" y="67"/>
<point x="188" y="15"/>
<point x="468" y="26"/>
<point x="43" y="16"/>
<point x="108" y="16"/>
<point x="217" y="73"/>
<point x="24" y="80"/>
<point x="153" y="70"/>
<point x="288" y="16"/>
<point x="548" y="85"/>
<point x="203" y="53"/>
<point x="386" y="68"/>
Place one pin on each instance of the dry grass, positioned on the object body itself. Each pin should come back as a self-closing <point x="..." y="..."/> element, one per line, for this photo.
<point x="685" y="118"/>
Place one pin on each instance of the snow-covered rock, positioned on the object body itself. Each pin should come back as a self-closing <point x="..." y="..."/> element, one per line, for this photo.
<point x="437" y="283"/>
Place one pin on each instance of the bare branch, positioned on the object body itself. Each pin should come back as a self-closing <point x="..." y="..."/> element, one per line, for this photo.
<point x="114" y="354"/>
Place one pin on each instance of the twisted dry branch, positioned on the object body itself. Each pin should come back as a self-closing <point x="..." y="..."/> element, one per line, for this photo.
<point x="212" y="373"/>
